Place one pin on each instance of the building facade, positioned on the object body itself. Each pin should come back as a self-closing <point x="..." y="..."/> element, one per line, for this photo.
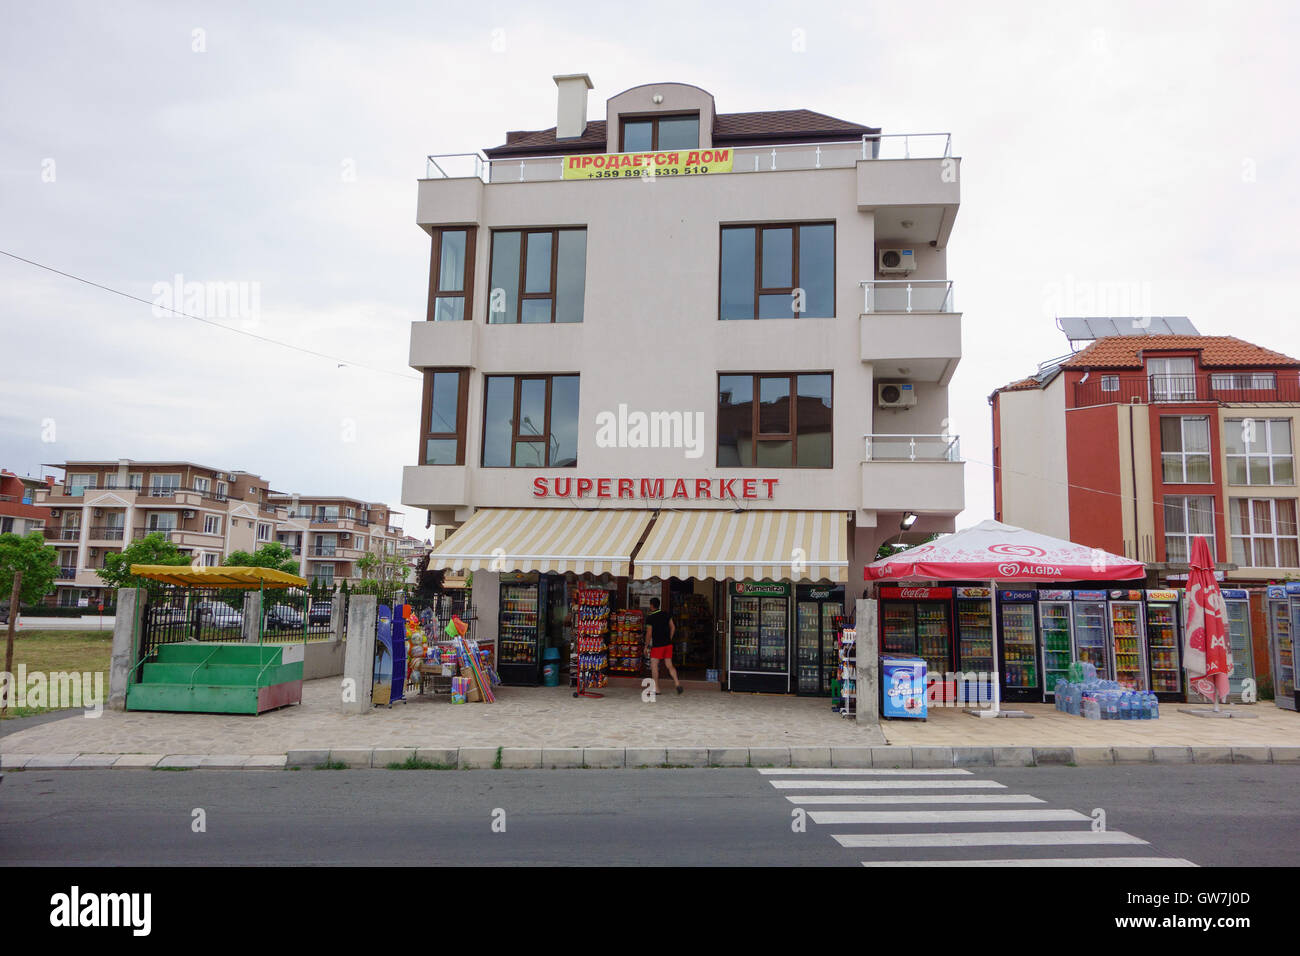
<point x="1138" y="444"/>
<point x="19" y="513"/>
<point x="674" y="311"/>
<point x="331" y="535"/>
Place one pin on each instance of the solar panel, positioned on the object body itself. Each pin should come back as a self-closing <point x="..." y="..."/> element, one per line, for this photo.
<point x="1085" y="329"/>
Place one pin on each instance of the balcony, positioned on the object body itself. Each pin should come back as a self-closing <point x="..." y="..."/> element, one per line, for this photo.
<point x="1225" y="388"/>
<point x="919" y="473"/>
<point x="62" y="534"/>
<point x="140" y="533"/>
<point x="911" y="323"/>
<point x="325" y="551"/>
<point x="67" y="574"/>
<point x="107" y="533"/>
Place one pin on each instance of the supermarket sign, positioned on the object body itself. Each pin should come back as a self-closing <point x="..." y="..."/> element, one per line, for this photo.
<point x="691" y="489"/>
<point x="677" y="162"/>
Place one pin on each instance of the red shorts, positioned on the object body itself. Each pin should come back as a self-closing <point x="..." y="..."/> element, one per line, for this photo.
<point x="664" y="653"/>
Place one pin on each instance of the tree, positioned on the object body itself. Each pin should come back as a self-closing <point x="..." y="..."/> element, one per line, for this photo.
<point x="153" y="548"/>
<point x="38" y="562"/>
<point x="272" y="555"/>
<point x="890" y="548"/>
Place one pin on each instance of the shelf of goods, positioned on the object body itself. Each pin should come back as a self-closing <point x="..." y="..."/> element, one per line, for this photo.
<point x="847" y="645"/>
<point x="1128" y="656"/>
<point x="1019" y="648"/>
<point x="694" y="628"/>
<point x="1162" y="638"/>
<point x="975" y="627"/>
<point x="1055" y="622"/>
<point x="626" y="642"/>
<point x="591" y="626"/>
<point x="517" y="624"/>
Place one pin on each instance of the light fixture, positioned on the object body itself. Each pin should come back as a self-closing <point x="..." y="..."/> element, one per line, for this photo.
<point x="657" y="98"/>
<point x="909" y="519"/>
<point x="907" y="224"/>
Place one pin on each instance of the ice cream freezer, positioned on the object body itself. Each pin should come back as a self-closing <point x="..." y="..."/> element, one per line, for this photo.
<point x="1236" y="604"/>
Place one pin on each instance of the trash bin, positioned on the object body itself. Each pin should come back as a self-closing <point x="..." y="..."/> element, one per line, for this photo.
<point x="551" y="667"/>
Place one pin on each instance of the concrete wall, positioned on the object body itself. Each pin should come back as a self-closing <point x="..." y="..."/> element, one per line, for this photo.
<point x="322" y="659"/>
<point x="1033" y="459"/>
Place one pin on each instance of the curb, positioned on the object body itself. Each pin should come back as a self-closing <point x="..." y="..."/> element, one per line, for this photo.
<point x="535" y="758"/>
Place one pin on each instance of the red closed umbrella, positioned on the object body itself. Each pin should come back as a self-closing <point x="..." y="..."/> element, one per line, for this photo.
<point x="1207" y="657"/>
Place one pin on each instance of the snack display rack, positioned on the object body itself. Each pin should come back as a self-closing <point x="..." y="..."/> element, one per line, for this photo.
<point x="847" y="643"/>
<point x="626" y="642"/>
<point x="591" y="628"/>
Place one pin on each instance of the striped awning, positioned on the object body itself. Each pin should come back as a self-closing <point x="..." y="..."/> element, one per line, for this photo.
<point x="543" y="539"/>
<point x="754" y="545"/>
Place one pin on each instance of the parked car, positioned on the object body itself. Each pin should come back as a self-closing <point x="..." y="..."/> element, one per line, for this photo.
<point x="166" y="615"/>
<point x="218" y="614"/>
<point x="320" y="613"/>
<point x="4" y="612"/>
<point x="284" y="618"/>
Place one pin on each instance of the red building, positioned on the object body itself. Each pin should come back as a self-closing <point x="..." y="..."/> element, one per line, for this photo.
<point x="18" y="513"/>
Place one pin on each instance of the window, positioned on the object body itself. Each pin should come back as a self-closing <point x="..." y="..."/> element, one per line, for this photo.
<point x="1187" y="517"/>
<point x="1110" y="383"/>
<point x="1264" y="532"/>
<point x="654" y="133"/>
<point x="1185" y="450"/>
<point x="326" y="545"/>
<point x="209" y="559"/>
<point x="789" y="426"/>
<point x="531" y="421"/>
<point x="6" y="525"/>
<point x="77" y="484"/>
<point x="777" y="272"/>
<point x="164" y="486"/>
<point x="1243" y="382"/>
<point x="451" y="275"/>
<point x="1259" y="451"/>
<point x="538" y="275"/>
<point x="162" y="521"/>
<point x="212" y="524"/>
<point x="1172" y="379"/>
<point x="445" y="399"/>
<point x="222" y="489"/>
<point x="263" y="531"/>
<point x="202" y="485"/>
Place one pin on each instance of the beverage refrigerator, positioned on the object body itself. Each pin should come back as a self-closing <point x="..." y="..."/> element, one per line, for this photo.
<point x="521" y="629"/>
<point x="1018" y="648"/>
<point x="1128" y="652"/>
<point x="917" y="622"/>
<point x="1236" y="604"/>
<point x="1283" y="616"/>
<point x="1090" y="631"/>
<point x="819" y="615"/>
<point x="975" y="642"/>
<point x="758" y="651"/>
<point x="1056" y="632"/>
<point x="1165" y="644"/>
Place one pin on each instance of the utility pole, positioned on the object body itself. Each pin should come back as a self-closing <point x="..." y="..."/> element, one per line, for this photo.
<point x="9" y="643"/>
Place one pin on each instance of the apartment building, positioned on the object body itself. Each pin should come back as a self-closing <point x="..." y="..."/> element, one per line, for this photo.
<point x="100" y="506"/>
<point x="676" y="351"/>
<point x="19" y="513"/>
<point x="1139" y="443"/>
<point x="330" y="534"/>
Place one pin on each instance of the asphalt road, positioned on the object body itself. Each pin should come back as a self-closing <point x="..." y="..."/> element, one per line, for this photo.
<point x="1208" y="815"/>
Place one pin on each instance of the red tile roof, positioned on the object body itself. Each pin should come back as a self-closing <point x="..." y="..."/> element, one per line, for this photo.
<point x="728" y="128"/>
<point x="1217" y="351"/>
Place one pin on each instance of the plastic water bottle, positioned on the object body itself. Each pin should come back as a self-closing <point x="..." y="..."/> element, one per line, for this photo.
<point x="1155" y="707"/>
<point x="1112" y="705"/>
<point x="1126" y="706"/>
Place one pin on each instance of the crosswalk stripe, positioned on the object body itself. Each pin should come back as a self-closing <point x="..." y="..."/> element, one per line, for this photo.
<point x="850" y="772"/>
<point x="813" y="799"/>
<point x="944" y="816"/>
<point x="887" y="785"/>
<point x="1012" y="838"/>
<point x="1051" y="861"/>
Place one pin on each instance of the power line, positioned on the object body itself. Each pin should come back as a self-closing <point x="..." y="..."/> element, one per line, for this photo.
<point x="206" y="321"/>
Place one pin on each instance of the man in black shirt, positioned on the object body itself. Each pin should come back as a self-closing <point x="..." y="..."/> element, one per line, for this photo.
<point x="660" y="629"/>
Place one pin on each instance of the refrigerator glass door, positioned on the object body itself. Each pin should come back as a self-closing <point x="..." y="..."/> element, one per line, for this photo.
<point x="1283" y="656"/>
<point x="1090" y="636"/>
<point x="1054" y="624"/>
<point x="933" y="639"/>
<point x="1127" y="646"/>
<point x="808" y="646"/>
<point x="831" y="614"/>
<point x="1019" y="647"/>
<point x="1239" y="641"/>
<point x="1162" y="644"/>
<point x="899" y="620"/>
<point x="975" y="632"/>
<point x="744" y="634"/>
<point x="773" y="639"/>
<point x="519" y="621"/>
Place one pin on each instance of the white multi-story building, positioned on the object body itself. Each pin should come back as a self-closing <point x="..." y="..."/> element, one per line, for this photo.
<point x="677" y="350"/>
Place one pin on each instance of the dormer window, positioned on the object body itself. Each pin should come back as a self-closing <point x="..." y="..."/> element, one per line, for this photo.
<point x="655" y="133"/>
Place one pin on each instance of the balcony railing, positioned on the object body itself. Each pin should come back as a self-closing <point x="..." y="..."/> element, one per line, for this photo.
<point x="107" y="533"/>
<point x="912" y="448"/>
<point x="67" y="574"/>
<point x="164" y="491"/>
<point x="907" y="295"/>
<point x="745" y="159"/>
<point x="1236" y="388"/>
<point x="324" y="551"/>
<point x="63" y="534"/>
<point x="143" y="532"/>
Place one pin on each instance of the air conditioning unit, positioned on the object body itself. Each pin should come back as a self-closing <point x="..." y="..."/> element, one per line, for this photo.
<point x="55" y="512"/>
<point x="187" y="513"/>
<point x="94" y="552"/>
<point x="345" y="536"/>
<point x="895" y="395"/>
<point x="896" y="261"/>
<point x="99" y="512"/>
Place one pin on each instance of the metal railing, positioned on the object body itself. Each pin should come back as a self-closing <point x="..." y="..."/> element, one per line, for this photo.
<point x="139" y="533"/>
<point x="912" y="448"/>
<point x="786" y="156"/>
<point x="324" y="551"/>
<point x="164" y="491"/>
<point x="907" y="295"/>
<point x="1235" y="388"/>
<point x="66" y="573"/>
<point x="63" y="534"/>
<point x="107" y="533"/>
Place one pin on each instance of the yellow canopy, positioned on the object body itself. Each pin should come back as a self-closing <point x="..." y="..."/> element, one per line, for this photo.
<point x="218" y="577"/>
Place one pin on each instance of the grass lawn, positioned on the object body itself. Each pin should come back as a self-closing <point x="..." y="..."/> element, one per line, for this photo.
<point x="52" y="651"/>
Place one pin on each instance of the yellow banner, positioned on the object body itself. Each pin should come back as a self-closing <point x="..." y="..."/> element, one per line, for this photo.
<point x="673" y="162"/>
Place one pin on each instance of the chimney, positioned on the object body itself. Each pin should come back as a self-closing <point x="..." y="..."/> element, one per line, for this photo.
<point x="571" y="111"/>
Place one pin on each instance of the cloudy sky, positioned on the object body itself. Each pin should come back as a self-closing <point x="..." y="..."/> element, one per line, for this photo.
<point x="1117" y="158"/>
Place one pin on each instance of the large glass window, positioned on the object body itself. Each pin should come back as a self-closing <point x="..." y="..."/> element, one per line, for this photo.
<point x="1264" y="532"/>
<point x="451" y="275"/>
<point x="1172" y="379"/>
<point x="1259" y="451"/>
<point x="1185" y="450"/>
<point x="538" y="275"/>
<point x="653" y="133"/>
<point x="445" y="391"/>
<point x="531" y="421"/>
<point x="777" y="272"/>
<point x="1187" y="517"/>
<point x="789" y="426"/>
